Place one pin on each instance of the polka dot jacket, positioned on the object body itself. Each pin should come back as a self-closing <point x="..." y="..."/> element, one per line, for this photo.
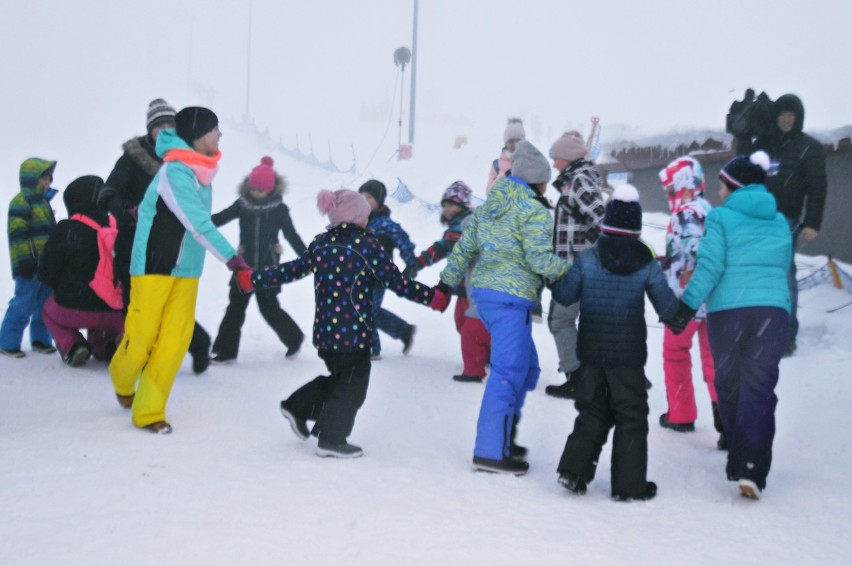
<point x="346" y="262"/>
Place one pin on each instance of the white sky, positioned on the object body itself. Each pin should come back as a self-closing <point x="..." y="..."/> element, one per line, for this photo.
<point x="324" y="67"/>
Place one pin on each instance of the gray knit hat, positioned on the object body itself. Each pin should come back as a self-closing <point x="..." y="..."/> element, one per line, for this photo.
<point x="529" y="164"/>
<point x="159" y="112"/>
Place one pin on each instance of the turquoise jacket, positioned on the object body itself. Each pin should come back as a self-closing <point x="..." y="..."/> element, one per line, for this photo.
<point x="510" y="238"/>
<point x="174" y="226"/>
<point x="744" y="255"/>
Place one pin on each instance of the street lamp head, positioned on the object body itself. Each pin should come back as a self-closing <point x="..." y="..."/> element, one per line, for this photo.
<point x="401" y="57"/>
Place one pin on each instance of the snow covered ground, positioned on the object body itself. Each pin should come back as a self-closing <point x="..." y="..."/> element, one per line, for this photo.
<point x="80" y="485"/>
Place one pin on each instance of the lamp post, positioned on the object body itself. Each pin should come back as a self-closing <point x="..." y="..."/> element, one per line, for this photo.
<point x="413" y="76"/>
<point x="400" y="58"/>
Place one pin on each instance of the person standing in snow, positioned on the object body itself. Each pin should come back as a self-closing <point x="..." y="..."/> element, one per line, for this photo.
<point x="174" y="229"/>
<point x="121" y="195"/>
<point x="475" y="341"/>
<point x="68" y="264"/>
<point x="579" y="211"/>
<point x="513" y="133"/>
<point x="391" y="235"/>
<point x="262" y="214"/>
<point x="509" y="237"/>
<point x="742" y="276"/>
<point x="611" y="280"/>
<point x="31" y="221"/>
<point x="683" y="183"/>
<point x="347" y="262"/>
<point x="797" y="180"/>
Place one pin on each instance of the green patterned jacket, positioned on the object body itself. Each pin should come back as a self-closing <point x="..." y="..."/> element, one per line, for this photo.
<point x="510" y="238"/>
<point x="31" y="219"/>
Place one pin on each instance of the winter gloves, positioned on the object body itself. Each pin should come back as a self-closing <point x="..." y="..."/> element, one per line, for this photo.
<point x="242" y="273"/>
<point x="410" y="272"/>
<point x="684" y="314"/>
<point x="441" y="297"/>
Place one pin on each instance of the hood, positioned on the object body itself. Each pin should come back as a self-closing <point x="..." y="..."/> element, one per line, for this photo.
<point x="277" y="191"/>
<point x="141" y="151"/>
<point x="621" y="255"/>
<point x="505" y="195"/>
<point x="790" y="103"/>
<point x="753" y="201"/>
<point x="167" y="140"/>
<point x="81" y="195"/>
<point x="379" y="212"/>
<point x="32" y="169"/>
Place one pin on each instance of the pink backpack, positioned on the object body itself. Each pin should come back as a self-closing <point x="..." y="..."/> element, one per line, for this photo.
<point x="103" y="283"/>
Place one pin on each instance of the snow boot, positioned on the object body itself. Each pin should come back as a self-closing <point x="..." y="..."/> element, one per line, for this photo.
<point x="677" y="427"/>
<point x="515" y="450"/>
<point x="43" y="348"/>
<point x="408" y="338"/>
<point x="572" y="483"/>
<point x="567" y="390"/>
<point x="649" y="493"/>
<point x="749" y="489"/>
<point x="507" y="465"/>
<point x="299" y="426"/>
<point x="327" y="449"/>
<point x="199" y="349"/>
<point x="78" y="355"/>
<point x="469" y="378"/>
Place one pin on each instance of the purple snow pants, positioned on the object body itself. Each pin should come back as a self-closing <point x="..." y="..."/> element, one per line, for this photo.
<point x="105" y="328"/>
<point x="747" y="344"/>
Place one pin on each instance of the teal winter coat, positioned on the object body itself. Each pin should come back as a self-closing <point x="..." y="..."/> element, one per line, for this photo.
<point x="510" y="238"/>
<point x="744" y="255"/>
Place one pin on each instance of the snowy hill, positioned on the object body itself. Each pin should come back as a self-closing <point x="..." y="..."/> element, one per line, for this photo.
<point x="80" y="485"/>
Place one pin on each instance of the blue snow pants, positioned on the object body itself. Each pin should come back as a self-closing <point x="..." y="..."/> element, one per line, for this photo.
<point x="384" y="320"/>
<point x="514" y="368"/>
<point x="25" y="310"/>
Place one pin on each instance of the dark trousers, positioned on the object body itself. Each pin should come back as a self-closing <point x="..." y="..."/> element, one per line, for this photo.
<point x="333" y="400"/>
<point x="747" y="345"/>
<point x="384" y="320"/>
<point x="610" y="397"/>
<point x="227" y="342"/>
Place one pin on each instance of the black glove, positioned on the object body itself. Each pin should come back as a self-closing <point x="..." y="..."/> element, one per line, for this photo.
<point x="684" y="314"/>
<point x="410" y="272"/>
<point x="27" y="268"/>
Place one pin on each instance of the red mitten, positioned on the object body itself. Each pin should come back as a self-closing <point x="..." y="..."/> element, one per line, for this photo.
<point x="440" y="298"/>
<point x="244" y="280"/>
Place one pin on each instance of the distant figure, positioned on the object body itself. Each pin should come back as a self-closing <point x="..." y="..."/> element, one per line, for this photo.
<point x="611" y="280"/>
<point x="121" y="196"/>
<point x="741" y="275"/>
<point x="392" y="236"/>
<point x="513" y="133"/>
<point x="797" y="180"/>
<point x="347" y="261"/>
<point x="509" y="238"/>
<point x="31" y="221"/>
<point x="262" y="215"/>
<point x="579" y="212"/>
<point x="68" y="264"/>
<point x="174" y="230"/>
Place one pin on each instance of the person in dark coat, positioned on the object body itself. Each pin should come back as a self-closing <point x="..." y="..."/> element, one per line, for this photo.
<point x="346" y="261"/>
<point x="120" y="196"/>
<point x="611" y="279"/>
<point x="797" y="179"/>
<point x="262" y="214"/>
<point x="68" y="265"/>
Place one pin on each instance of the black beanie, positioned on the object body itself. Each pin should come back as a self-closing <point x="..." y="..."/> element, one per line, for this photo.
<point x="194" y="122"/>
<point x="81" y="194"/>
<point x="375" y="189"/>
<point x="623" y="213"/>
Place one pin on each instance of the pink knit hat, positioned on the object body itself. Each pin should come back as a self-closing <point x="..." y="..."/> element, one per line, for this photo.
<point x="343" y="206"/>
<point x="569" y="147"/>
<point x="262" y="177"/>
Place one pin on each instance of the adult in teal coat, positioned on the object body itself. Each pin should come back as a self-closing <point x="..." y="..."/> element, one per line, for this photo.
<point x="742" y="276"/>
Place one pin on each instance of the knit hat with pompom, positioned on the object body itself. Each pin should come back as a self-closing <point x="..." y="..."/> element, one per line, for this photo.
<point x="741" y="170"/>
<point x="343" y="206"/>
<point x="623" y="215"/>
<point x="262" y="177"/>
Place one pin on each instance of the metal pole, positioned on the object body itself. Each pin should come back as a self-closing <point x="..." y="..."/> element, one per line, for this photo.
<point x="401" y="91"/>
<point x="413" y="77"/>
<point x="248" y="64"/>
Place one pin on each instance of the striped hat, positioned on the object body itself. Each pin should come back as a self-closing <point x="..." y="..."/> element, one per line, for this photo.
<point x="159" y="112"/>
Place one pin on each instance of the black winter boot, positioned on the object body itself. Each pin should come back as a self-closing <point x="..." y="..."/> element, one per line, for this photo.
<point x="505" y="466"/>
<point x="199" y="349"/>
<point x="515" y="450"/>
<point x="567" y="390"/>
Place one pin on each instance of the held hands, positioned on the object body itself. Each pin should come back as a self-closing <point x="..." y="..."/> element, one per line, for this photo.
<point x="681" y="319"/>
<point x="237" y="263"/>
<point x="410" y="272"/>
<point x="441" y="298"/>
<point x="244" y="283"/>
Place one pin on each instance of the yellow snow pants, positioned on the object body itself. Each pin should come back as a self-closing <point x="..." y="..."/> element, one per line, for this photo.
<point x="157" y="332"/>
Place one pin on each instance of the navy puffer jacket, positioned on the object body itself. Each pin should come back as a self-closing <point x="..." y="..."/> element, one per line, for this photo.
<point x="611" y="280"/>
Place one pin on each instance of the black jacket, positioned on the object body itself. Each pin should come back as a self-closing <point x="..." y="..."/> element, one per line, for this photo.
<point x="260" y="222"/>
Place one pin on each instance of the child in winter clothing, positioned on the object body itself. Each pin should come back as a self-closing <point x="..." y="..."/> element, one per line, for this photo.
<point x="68" y="264"/>
<point x="742" y="275"/>
<point x="611" y="279"/>
<point x="347" y="261"/>
<point x="391" y="235"/>
<point x="31" y="221"/>
<point x="510" y="238"/>
<point x="121" y="195"/>
<point x="475" y="340"/>
<point x="683" y="182"/>
<point x="579" y="211"/>
<point x="513" y="133"/>
<point x="262" y="214"/>
<point x="174" y="230"/>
